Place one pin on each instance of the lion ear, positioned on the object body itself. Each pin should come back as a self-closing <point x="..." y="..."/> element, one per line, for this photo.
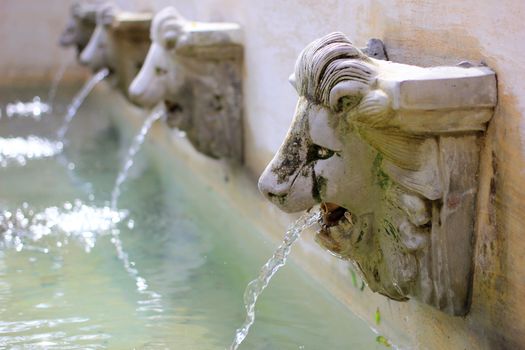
<point x="293" y="81"/>
<point x="347" y="94"/>
<point x="169" y="38"/>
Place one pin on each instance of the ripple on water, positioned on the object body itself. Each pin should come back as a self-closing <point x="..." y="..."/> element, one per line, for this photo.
<point x="48" y="337"/>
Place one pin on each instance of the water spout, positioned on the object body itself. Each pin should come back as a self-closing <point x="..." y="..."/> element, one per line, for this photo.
<point x="79" y="99"/>
<point x="278" y="260"/>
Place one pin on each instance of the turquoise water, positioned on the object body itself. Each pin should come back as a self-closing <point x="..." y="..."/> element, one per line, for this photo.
<point x="62" y="285"/>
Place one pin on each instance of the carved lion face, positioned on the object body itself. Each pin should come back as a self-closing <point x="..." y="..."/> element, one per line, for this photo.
<point x="319" y="162"/>
<point x="324" y="158"/>
<point x="328" y="157"/>
<point x="159" y="77"/>
<point x="98" y="53"/>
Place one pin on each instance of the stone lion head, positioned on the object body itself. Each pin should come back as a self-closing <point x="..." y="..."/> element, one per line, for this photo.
<point x="80" y="26"/>
<point x="158" y="79"/>
<point x="373" y="180"/>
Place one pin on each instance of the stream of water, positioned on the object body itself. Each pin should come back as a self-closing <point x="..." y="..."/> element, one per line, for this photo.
<point x="56" y="82"/>
<point x="135" y="147"/>
<point x="154" y="299"/>
<point x="278" y="260"/>
<point x="79" y="99"/>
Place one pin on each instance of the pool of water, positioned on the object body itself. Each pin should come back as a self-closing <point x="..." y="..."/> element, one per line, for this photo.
<point x="63" y="286"/>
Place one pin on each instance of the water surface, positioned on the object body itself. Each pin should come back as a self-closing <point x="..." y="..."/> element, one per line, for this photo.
<point x="67" y="289"/>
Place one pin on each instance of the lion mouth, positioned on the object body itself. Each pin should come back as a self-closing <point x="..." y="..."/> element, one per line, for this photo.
<point x="174" y="113"/>
<point x="336" y="224"/>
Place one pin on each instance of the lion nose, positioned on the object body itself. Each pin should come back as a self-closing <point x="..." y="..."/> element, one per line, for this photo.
<point x="85" y="57"/>
<point x="135" y="92"/>
<point x="270" y="187"/>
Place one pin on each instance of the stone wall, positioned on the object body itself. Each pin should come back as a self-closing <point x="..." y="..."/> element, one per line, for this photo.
<point x="416" y="32"/>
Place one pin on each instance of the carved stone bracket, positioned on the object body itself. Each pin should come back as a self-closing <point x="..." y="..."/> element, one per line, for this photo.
<point x="195" y="68"/>
<point x="120" y="42"/>
<point x="129" y="34"/>
<point x="391" y="152"/>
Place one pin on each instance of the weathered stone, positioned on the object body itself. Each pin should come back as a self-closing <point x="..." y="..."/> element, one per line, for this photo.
<point x="129" y="34"/>
<point x="195" y="68"/>
<point x="375" y="48"/>
<point x="392" y="152"/>
<point x="120" y="42"/>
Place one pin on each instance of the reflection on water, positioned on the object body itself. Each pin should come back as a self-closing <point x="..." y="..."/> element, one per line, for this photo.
<point x="32" y="109"/>
<point x="19" y="150"/>
<point x="73" y="221"/>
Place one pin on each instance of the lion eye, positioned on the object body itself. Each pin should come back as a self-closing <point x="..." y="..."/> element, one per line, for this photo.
<point x="316" y="152"/>
<point x="324" y="153"/>
<point x="348" y="102"/>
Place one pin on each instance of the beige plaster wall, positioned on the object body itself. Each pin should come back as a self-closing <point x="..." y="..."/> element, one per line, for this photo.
<point x="414" y="31"/>
<point x="29" y="33"/>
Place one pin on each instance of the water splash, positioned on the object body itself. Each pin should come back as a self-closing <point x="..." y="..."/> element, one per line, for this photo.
<point x="135" y="147"/>
<point x="56" y="82"/>
<point x="20" y="150"/>
<point x="23" y="227"/>
<point x="79" y="99"/>
<point x="278" y="260"/>
<point x="33" y="109"/>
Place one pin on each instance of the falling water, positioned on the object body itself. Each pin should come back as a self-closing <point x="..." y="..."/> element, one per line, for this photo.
<point x="257" y="286"/>
<point x="135" y="147"/>
<point x="56" y="81"/>
<point x="154" y="299"/>
<point x="79" y="99"/>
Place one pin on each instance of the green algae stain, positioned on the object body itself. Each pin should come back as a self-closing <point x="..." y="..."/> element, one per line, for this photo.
<point x="318" y="186"/>
<point x="377" y="316"/>
<point x="354" y="278"/>
<point x="383" y="341"/>
<point x="382" y="179"/>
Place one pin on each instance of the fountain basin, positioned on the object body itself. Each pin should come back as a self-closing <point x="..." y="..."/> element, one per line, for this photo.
<point x="191" y="244"/>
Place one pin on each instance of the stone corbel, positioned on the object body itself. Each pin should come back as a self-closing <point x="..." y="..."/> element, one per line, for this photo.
<point x="195" y="69"/>
<point x="120" y="43"/>
<point x="391" y="152"/>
